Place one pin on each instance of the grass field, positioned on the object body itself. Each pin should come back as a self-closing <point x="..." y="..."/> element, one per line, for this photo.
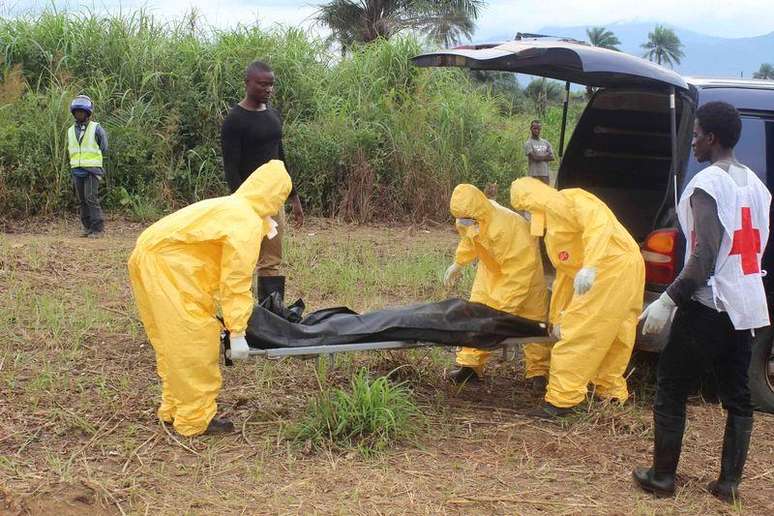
<point x="78" y="432"/>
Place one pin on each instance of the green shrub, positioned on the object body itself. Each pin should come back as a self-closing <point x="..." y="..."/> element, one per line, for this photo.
<point x="370" y="417"/>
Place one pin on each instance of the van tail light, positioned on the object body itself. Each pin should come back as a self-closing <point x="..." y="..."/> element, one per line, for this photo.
<point x="659" y="253"/>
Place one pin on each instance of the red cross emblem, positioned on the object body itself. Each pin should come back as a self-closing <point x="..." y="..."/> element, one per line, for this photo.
<point x="747" y="244"/>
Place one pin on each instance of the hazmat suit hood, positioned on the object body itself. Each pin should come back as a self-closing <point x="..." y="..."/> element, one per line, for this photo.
<point x="539" y="199"/>
<point x="468" y="202"/>
<point x="267" y="189"/>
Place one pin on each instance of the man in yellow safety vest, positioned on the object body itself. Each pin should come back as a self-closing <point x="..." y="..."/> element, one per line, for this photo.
<point x="87" y="144"/>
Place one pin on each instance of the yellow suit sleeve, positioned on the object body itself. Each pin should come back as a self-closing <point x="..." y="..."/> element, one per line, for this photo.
<point x="466" y="251"/>
<point x="238" y="261"/>
<point x="561" y="295"/>
<point x="516" y="268"/>
<point x="597" y="231"/>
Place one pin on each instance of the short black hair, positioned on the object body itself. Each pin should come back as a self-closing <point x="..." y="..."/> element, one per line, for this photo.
<point x="536" y="121"/>
<point x="721" y="119"/>
<point x="257" y="66"/>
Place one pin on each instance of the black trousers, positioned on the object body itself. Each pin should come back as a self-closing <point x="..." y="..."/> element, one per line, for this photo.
<point x="703" y="338"/>
<point x="87" y="190"/>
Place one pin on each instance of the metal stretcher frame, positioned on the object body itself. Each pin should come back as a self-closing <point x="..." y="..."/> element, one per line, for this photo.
<point x="508" y="346"/>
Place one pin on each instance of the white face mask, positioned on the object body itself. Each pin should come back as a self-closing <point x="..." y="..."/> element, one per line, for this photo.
<point x="468" y="227"/>
<point x="273" y="224"/>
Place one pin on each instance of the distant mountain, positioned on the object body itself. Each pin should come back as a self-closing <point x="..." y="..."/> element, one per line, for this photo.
<point x="704" y="55"/>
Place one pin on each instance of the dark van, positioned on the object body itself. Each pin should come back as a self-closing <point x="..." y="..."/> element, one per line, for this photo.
<point x="632" y="149"/>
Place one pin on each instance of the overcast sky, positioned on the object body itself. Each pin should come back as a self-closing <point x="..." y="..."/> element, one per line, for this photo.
<point x="729" y="18"/>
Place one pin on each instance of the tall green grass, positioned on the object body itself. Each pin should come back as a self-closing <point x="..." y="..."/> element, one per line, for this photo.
<point x="367" y="137"/>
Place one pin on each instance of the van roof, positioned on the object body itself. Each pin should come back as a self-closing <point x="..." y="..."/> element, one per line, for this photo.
<point x="719" y="82"/>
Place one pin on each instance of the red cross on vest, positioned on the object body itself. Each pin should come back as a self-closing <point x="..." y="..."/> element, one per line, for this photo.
<point x="747" y="243"/>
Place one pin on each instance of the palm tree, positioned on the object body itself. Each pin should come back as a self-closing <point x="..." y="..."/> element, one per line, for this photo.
<point x="449" y="22"/>
<point x="663" y="46"/>
<point x="603" y="38"/>
<point x="362" y="21"/>
<point x="766" y="71"/>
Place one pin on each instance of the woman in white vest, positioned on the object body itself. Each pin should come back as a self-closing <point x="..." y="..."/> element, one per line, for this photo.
<point x="87" y="144"/>
<point x="720" y="301"/>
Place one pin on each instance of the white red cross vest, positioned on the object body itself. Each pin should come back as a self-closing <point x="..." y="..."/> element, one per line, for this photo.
<point x="744" y="214"/>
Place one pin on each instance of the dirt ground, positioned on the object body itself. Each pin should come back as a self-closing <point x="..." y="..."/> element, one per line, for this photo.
<point x="78" y="432"/>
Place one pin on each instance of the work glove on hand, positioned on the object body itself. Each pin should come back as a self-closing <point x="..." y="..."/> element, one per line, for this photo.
<point x="239" y="348"/>
<point x="451" y="275"/>
<point x="273" y="227"/>
<point x="657" y="314"/>
<point x="584" y="280"/>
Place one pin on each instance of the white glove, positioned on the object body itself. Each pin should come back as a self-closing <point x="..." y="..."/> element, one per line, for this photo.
<point x="556" y="332"/>
<point x="657" y="314"/>
<point x="273" y="231"/>
<point x="451" y="275"/>
<point x="239" y="348"/>
<point x="584" y="280"/>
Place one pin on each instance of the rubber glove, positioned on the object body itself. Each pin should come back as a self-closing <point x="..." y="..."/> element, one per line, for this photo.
<point x="556" y="332"/>
<point x="273" y="231"/>
<point x="451" y="275"/>
<point x="585" y="279"/>
<point x="239" y="348"/>
<point x="657" y="314"/>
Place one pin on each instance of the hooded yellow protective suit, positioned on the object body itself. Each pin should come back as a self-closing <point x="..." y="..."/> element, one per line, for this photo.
<point x="597" y="328"/>
<point x="509" y="275"/>
<point x="186" y="265"/>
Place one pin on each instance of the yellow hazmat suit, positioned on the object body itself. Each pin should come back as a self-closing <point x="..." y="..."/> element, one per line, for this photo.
<point x="186" y="264"/>
<point x="598" y="327"/>
<point x="509" y="275"/>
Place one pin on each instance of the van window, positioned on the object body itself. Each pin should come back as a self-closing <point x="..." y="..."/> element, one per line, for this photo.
<point x="751" y="150"/>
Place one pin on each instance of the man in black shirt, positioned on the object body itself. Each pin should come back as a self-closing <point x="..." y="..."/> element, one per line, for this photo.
<point x="250" y="137"/>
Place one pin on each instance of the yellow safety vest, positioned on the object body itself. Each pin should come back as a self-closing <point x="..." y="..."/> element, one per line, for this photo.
<point x="85" y="153"/>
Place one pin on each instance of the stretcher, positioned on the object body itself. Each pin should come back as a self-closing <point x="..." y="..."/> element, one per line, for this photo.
<point x="508" y="347"/>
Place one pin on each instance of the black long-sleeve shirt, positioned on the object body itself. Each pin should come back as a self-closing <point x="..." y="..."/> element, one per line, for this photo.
<point x="692" y="281"/>
<point x="250" y="139"/>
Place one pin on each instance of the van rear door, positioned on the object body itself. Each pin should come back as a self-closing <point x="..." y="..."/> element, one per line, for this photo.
<point x="563" y="60"/>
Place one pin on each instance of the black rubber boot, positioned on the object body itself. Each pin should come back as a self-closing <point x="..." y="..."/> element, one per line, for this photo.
<point x="267" y="285"/>
<point x="219" y="426"/>
<point x="463" y="374"/>
<point x="549" y="412"/>
<point x="538" y="384"/>
<point x="736" y="442"/>
<point x="668" y="441"/>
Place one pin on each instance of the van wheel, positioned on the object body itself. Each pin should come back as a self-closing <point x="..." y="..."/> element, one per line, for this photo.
<point x="761" y="371"/>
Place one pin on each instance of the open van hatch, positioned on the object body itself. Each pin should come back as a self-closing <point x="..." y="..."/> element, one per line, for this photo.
<point x="563" y="60"/>
<point x="624" y="146"/>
